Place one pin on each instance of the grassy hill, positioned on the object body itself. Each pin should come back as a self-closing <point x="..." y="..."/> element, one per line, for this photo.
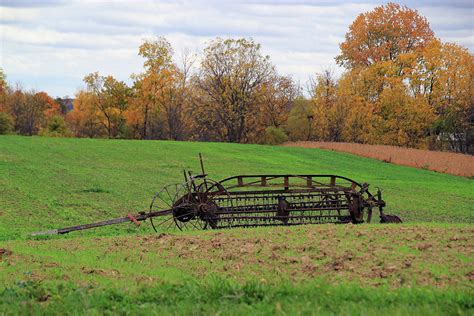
<point x="365" y="269"/>
<point x="47" y="182"/>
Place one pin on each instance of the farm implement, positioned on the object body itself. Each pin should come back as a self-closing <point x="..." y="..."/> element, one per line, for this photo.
<point x="201" y="203"/>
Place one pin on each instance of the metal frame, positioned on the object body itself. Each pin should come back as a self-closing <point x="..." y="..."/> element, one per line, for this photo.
<point x="255" y="200"/>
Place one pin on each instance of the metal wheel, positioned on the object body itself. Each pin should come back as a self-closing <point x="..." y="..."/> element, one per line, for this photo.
<point x="185" y="213"/>
<point x="164" y="200"/>
<point x="191" y="205"/>
<point x="212" y="198"/>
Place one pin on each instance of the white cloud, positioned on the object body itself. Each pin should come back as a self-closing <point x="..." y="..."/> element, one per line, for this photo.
<point x="52" y="46"/>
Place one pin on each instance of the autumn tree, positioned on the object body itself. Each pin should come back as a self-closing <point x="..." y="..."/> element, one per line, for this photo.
<point x="55" y="127"/>
<point x="379" y="95"/>
<point x="231" y="79"/>
<point x="149" y="85"/>
<point x="30" y="110"/>
<point x="3" y="91"/>
<point x="160" y="93"/>
<point x="443" y="76"/>
<point x="384" y="34"/>
<point x="85" y="119"/>
<point x="361" y="117"/>
<point x="405" y="121"/>
<point x="329" y="112"/>
<point x="110" y="100"/>
<point x="361" y="121"/>
<point x="277" y="96"/>
<point x="6" y="121"/>
<point x="52" y="108"/>
<point x="378" y="108"/>
<point x="299" y="125"/>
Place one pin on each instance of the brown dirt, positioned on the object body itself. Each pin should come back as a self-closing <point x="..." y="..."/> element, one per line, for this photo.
<point x="4" y="253"/>
<point x="391" y="255"/>
<point x="394" y="255"/>
<point x="445" y="162"/>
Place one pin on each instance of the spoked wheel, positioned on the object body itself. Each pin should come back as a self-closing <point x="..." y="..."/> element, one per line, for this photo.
<point x="185" y="213"/>
<point x="165" y="199"/>
<point x="210" y="195"/>
<point x="191" y="206"/>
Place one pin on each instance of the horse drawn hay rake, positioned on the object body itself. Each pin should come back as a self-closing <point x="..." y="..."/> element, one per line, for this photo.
<point x="255" y="200"/>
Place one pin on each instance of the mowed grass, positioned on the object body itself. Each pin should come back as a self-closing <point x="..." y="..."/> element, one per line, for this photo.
<point x="414" y="268"/>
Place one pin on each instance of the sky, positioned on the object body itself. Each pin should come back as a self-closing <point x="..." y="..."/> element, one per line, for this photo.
<point x="51" y="45"/>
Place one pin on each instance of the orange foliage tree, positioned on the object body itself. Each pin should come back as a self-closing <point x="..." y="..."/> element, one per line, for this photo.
<point x="52" y="108"/>
<point x="379" y="94"/>
<point x="384" y="34"/>
<point x="30" y="110"/>
<point x="442" y="75"/>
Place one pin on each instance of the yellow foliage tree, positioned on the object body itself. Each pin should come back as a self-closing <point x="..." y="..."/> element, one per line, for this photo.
<point x="110" y="100"/>
<point x="84" y="120"/>
<point x="158" y="106"/>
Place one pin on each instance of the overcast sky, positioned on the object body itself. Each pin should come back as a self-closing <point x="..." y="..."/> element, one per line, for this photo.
<point x="51" y="45"/>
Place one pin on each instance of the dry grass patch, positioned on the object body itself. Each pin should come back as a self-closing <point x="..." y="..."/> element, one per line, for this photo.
<point x="445" y="162"/>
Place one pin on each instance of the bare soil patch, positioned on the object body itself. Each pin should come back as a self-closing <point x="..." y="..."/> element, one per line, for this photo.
<point x="4" y="253"/>
<point x="445" y="162"/>
<point x="391" y="254"/>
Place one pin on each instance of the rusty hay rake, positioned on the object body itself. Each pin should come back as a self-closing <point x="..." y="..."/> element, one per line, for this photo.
<point x="200" y="203"/>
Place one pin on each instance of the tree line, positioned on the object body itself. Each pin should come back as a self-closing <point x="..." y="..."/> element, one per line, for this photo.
<point x="401" y="86"/>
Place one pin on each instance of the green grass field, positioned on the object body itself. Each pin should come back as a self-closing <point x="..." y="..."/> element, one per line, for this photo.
<point x="421" y="267"/>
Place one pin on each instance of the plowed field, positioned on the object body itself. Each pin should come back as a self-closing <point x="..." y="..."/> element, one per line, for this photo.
<point x="445" y="162"/>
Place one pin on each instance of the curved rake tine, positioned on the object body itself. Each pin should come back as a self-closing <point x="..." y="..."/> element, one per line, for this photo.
<point x="153" y="225"/>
